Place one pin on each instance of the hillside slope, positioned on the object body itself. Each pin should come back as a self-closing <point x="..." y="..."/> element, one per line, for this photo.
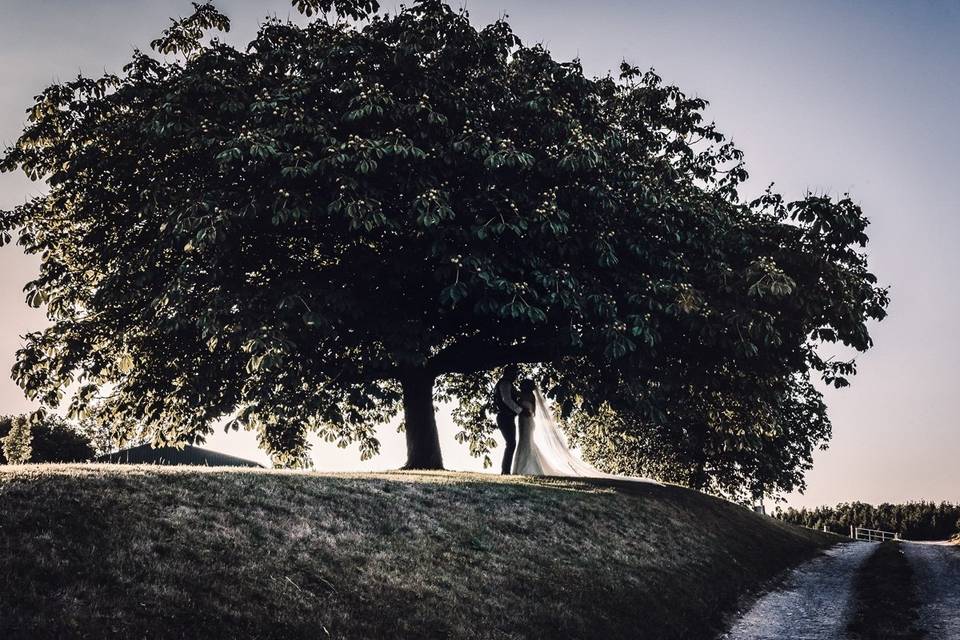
<point x="108" y="551"/>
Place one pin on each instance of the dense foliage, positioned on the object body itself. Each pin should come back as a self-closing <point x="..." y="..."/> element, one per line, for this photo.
<point x="354" y="217"/>
<point x="912" y="520"/>
<point x="31" y="438"/>
<point x="739" y="445"/>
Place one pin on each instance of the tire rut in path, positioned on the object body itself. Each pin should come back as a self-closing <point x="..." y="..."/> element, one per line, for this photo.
<point x="813" y="603"/>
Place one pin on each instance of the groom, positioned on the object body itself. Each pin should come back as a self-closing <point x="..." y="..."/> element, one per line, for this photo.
<point x="505" y="401"/>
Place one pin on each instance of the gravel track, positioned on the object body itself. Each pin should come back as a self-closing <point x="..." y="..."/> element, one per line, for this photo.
<point x="937" y="573"/>
<point x="813" y="603"/>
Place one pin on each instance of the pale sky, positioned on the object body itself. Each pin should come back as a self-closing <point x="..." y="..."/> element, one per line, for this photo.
<point x="833" y="97"/>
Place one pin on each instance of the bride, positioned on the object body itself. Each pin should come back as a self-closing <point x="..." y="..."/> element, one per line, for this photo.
<point x="542" y="450"/>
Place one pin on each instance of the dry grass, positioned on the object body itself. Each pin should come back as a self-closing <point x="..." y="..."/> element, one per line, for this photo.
<point x="145" y="552"/>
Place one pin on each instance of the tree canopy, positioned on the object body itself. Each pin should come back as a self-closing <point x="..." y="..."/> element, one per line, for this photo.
<point x="744" y="442"/>
<point x="310" y="233"/>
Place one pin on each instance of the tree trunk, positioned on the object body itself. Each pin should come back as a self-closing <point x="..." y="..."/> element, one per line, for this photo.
<point x="698" y="478"/>
<point x="420" y="424"/>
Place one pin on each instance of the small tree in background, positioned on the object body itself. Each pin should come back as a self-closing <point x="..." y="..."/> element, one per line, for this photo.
<point x="5" y="423"/>
<point x="17" y="439"/>
<point x="100" y="435"/>
<point x="108" y="433"/>
<point x="47" y="438"/>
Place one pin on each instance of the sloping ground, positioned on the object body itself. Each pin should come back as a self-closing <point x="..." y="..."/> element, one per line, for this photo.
<point x="145" y="552"/>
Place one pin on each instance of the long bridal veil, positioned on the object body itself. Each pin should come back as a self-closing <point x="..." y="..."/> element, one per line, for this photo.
<point x="551" y="450"/>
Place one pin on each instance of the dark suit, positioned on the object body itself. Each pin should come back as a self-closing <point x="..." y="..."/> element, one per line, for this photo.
<point x="507" y="411"/>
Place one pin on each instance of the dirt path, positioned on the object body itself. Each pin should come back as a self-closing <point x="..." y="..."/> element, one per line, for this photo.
<point x="937" y="573"/>
<point x="813" y="602"/>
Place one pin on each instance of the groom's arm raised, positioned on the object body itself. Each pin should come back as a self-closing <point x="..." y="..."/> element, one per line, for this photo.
<point x="503" y="388"/>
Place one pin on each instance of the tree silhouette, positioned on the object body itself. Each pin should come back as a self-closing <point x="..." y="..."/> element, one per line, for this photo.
<point x="306" y="234"/>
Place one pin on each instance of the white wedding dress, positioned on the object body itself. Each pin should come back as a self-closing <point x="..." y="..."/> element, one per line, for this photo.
<point x="543" y="451"/>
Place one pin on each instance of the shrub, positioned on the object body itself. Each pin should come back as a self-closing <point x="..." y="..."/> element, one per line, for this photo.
<point x="46" y="439"/>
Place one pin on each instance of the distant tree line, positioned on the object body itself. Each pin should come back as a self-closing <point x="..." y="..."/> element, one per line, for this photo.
<point x="43" y="437"/>
<point x="50" y="438"/>
<point x="912" y="520"/>
<point x="47" y="437"/>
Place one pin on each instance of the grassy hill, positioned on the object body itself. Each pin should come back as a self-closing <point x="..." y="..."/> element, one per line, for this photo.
<point x="135" y="552"/>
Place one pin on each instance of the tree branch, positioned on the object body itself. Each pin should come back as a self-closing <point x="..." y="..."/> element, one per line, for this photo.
<point x="474" y="355"/>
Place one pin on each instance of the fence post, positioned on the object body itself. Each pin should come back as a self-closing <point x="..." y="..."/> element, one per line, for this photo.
<point x="852" y="535"/>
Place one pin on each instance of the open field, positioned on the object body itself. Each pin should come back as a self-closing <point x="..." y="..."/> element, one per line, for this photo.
<point x="108" y="551"/>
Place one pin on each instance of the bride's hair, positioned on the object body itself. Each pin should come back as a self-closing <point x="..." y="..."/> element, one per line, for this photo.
<point x="527" y="385"/>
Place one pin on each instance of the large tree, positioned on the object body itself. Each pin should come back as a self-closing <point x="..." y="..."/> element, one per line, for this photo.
<point x="305" y="234"/>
